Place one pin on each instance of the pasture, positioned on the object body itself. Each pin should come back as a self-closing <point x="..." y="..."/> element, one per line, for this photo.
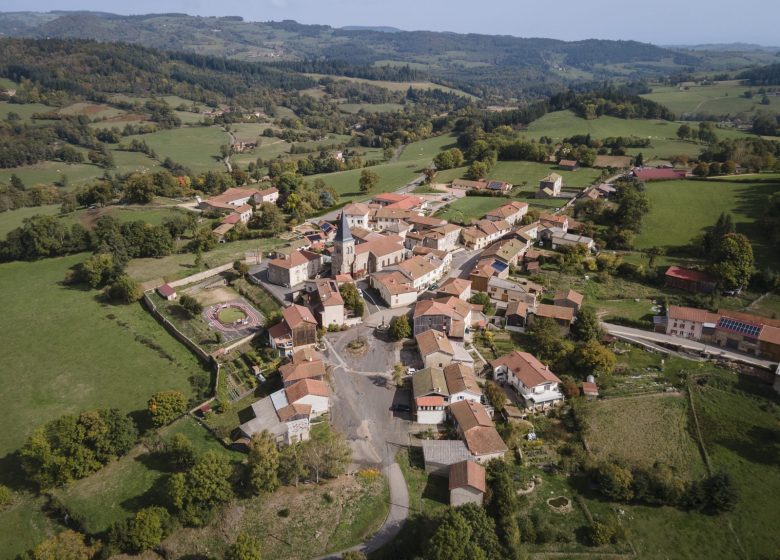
<point x="391" y="177"/>
<point x="12" y="219"/>
<point x="680" y="210"/>
<point x="426" y="149"/>
<point x="662" y="134"/>
<point x="66" y="351"/>
<point x="719" y="99"/>
<point x="195" y="147"/>
<point x="135" y="481"/>
<point x="470" y="208"/>
<point x="527" y="174"/>
<point x="655" y="426"/>
<point x="24" y="110"/>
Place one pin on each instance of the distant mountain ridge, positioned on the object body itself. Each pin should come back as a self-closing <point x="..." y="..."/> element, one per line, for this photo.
<point x="483" y="65"/>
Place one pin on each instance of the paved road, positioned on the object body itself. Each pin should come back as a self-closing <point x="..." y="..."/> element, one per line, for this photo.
<point x="691" y="345"/>
<point x="361" y="410"/>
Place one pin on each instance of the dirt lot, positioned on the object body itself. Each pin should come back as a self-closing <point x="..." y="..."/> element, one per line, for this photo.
<point x="212" y="293"/>
<point x="318" y="519"/>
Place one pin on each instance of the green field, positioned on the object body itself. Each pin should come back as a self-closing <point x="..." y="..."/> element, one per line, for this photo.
<point x="662" y="134"/>
<point x="720" y="99"/>
<point x="656" y="426"/>
<point x="24" y="110"/>
<point x="195" y="147"/>
<point x="66" y="352"/>
<point x="134" y="481"/>
<point x="679" y="210"/>
<point x="527" y="174"/>
<point x="12" y="219"/>
<point x="395" y="86"/>
<point x="391" y="177"/>
<point x="471" y="208"/>
<point x="426" y="149"/>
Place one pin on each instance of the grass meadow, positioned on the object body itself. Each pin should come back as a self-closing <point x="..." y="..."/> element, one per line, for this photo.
<point x="194" y="147"/>
<point x="471" y="208"/>
<point x="527" y="174"/>
<point x="722" y="98"/>
<point x="680" y="210"/>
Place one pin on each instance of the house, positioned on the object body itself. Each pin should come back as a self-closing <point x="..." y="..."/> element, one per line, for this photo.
<point x="511" y="213"/>
<point x="399" y="201"/>
<point x="483" y="233"/>
<point x="474" y="426"/>
<point x="461" y="382"/>
<point x="508" y="251"/>
<point x="499" y="186"/>
<point x="357" y="214"/>
<point x="500" y="289"/>
<point x="306" y="363"/>
<point x="552" y="223"/>
<point x="421" y="223"/>
<point x="567" y="165"/>
<point x="451" y="316"/>
<point x="467" y="483"/>
<point x="382" y="218"/>
<point x="606" y="189"/>
<point x="563" y="316"/>
<point x="394" y="287"/>
<point x="455" y="287"/>
<point x="167" y="292"/>
<point x="689" y="322"/>
<point x="377" y="253"/>
<point x="228" y="201"/>
<point x="294" y="269"/>
<point x="559" y="239"/>
<point x="516" y="316"/>
<point x="658" y="173"/>
<point x="443" y="238"/>
<point x="689" y="280"/>
<point x="534" y="382"/>
<point x="297" y="329"/>
<point x="550" y="186"/>
<point x="484" y="270"/>
<point x="326" y="301"/>
<point x="466" y="185"/>
<point x="440" y="454"/>
<point x="422" y="270"/>
<point x="568" y="298"/>
<point x="434" y="255"/>
<point x="311" y="392"/>
<point x="430" y="396"/>
<point x="271" y="194"/>
<point x="439" y="351"/>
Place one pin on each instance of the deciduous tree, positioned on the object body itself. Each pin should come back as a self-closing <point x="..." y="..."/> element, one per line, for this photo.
<point x="165" y="406"/>
<point x="263" y="463"/>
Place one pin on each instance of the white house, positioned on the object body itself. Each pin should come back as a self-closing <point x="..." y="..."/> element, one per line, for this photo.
<point x="534" y="382"/>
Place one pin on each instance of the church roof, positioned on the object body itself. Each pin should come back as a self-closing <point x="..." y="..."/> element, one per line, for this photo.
<point x="343" y="233"/>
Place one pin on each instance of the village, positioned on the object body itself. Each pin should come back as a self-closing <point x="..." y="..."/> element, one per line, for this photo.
<point x="380" y="310"/>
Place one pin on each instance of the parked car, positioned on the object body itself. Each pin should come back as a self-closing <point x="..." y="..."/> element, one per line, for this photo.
<point x="401" y="408"/>
<point x="410" y="371"/>
<point x="360" y="292"/>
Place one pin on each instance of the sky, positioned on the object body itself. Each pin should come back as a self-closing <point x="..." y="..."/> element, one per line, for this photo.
<point x="662" y="22"/>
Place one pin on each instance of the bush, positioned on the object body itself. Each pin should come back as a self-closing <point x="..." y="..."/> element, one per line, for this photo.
<point x="124" y="290"/>
<point x="166" y="406"/>
<point x="6" y="496"/>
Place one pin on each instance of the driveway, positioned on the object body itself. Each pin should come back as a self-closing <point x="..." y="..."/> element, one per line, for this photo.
<point x="281" y="294"/>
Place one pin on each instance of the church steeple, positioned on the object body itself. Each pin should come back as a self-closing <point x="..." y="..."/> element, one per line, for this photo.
<point x="343" y="232"/>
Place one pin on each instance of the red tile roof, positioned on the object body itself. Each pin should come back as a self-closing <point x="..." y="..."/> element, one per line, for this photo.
<point x="569" y="295"/>
<point x="305" y="387"/>
<point x="467" y="473"/>
<point x="688" y="274"/>
<point x="296" y="258"/>
<point x="691" y="314"/>
<point x="295" y="315"/>
<point x="555" y="312"/>
<point x="658" y="173"/>
<point x="166" y="290"/>
<point x="526" y="368"/>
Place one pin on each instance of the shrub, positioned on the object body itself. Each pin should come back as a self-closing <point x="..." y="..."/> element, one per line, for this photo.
<point x="166" y="406"/>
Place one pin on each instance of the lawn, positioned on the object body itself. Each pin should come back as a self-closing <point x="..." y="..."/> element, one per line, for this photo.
<point x="66" y="352"/>
<point x="662" y="134"/>
<point x="691" y="206"/>
<point x="655" y="426"/>
<point x="194" y="147"/>
<point x="391" y="177"/>
<point x="427" y="494"/>
<point x="133" y="482"/>
<point x="427" y="149"/>
<point x="768" y="305"/>
<point x="471" y="208"/>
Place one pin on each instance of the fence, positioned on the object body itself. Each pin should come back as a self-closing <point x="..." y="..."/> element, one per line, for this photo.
<point x="201" y="275"/>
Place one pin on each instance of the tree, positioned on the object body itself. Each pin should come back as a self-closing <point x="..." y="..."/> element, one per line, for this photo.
<point x="586" y="325"/>
<point x="652" y="254"/>
<point x="190" y="305"/>
<point x="503" y="506"/>
<point x="639" y="160"/>
<point x="712" y="238"/>
<point x="196" y="492"/>
<point x="483" y="530"/>
<point x="477" y="170"/>
<point x="734" y="260"/>
<point x="548" y="342"/>
<point x="66" y="545"/>
<point x="246" y="547"/>
<point x="16" y="182"/>
<point x="203" y="240"/>
<point x="166" y="406"/>
<point x="144" y="531"/>
<point x="124" y="290"/>
<point x="398" y="374"/>
<point x="6" y="496"/>
<point x="180" y="452"/>
<point x="615" y="482"/>
<point x="701" y="169"/>
<point x="684" y="132"/>
<point x="241" y="268"/>
<point x="400" y="327"/>
<point x="263" y="463"/>
<point x="368" y="180"/>
<point x="481" y="298"/>
<point x="139" y="189"/>
<point x="271" y="218"/>
<point x="720" y="492"/>
<point x="352" y="299"/>
<point x="98" y="270"/>
<point x="450" y="541"/>
<point x="593" y="357"/>
<point x="291" y="467"/>
<point x="328" y="455"/>
<point x="495" y="395"/>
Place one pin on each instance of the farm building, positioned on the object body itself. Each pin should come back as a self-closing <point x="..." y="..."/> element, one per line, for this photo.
<point x="568" y="165"/>
<point x="440" y="454"/>
<point x="167" y="292"/>
<point x="658" y="173"/>
<point x="689" y="280"/>
<point x="467" y="483"/>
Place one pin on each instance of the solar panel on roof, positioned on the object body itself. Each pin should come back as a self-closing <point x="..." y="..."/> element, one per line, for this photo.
<point x="739" y="327"/>
<point x="499" y="266"/>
